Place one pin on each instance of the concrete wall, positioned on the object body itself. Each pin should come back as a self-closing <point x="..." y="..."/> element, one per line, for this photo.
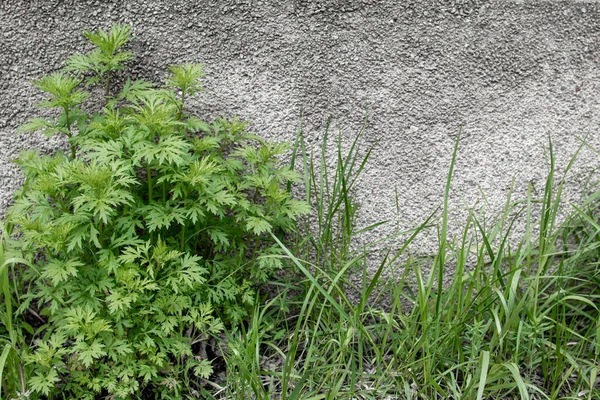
<point x="512" y="73"/>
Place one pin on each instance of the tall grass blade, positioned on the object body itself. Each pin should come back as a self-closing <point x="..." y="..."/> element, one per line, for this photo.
<point x="443" y="236"/>
<point x="485" y="363"/>
<point x="5" y="352"/>
<point x="514" y="370"/>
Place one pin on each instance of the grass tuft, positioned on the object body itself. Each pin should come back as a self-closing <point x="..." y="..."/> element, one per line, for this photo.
<point x="514" y="321"/>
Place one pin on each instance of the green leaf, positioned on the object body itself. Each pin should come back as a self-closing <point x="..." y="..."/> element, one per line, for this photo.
<point x="147" y="372"/>
<point x="286" y="174"/>
<point x="195" y="211"/>
<point x="189" y="273"/>
<point x="257" y="225"/>
<point x="119" y="348"/>
<point x="103" y="151"/>
<point x="159" y="216"/>
<point x="224" y="197"/>
<point x="206" y="143"/>
<point x="80" y="320"/>
<point x="44" y="383"/>
<point x="155" y="115"/>
<point x="79" y="63"/>
<point x="202" y="368"/>
<point x="196" y="124"/>
<point x="62" y="90"/>
<point x="60" y="270"/>
<point x="200" y="172"/>
<point x="134" y="89"/>
<point x="5" y="353"/>
<point x="171" y="149"/>
<point x="218" y="237"/>
<point x="118" y="302"/>
<point x="88" y="353"/>
<point x="110" y="42"/>
<point x="35" y="125"/>
<point x="186" y="77"/>
<point x="297" y="207"/>
<point x="484" y="365"/>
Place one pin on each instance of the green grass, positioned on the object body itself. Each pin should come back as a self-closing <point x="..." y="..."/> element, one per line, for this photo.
<point x="12" y="338"/>
<point x="512" y="321"/>
<point x="515" y="321"/>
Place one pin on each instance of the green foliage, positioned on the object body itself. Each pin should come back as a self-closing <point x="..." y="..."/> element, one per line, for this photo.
<point x="12" y="333"/>
<point x="514" y="320"/>
<point x="64" y="95"/>
<point x="152" y="237"/>
<point x="118" y="263"/>
<point x="186" y="79"/>
<point x="106" y="58"/>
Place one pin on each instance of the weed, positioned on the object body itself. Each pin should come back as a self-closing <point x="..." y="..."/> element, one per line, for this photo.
<point x="150" y="237"/>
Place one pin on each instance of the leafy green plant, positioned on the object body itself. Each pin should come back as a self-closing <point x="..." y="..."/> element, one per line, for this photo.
<point x="120" y="260"/>
<point x="65" y="95"/>
<point x="105" y="59"/>
<point x="151" y="237"/>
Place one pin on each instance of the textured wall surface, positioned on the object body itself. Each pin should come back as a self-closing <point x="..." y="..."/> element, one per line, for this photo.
<point x="513" y="73"/>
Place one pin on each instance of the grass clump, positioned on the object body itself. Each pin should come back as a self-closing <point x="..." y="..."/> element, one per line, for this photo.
<point x="516" y="322"/>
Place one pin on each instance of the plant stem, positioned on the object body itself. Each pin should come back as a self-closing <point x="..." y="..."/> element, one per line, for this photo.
<point x="149" y="177"/>
<point x="22" y="375"/>
<point x="256" y="242"/>
<point x="67" y="120"/>
<point x="69" y="134"/>
<point x="180" y="111"/>
<point x="107" y="88"/>
<point x="182" y="237"/>
<point x="101" y="233"/>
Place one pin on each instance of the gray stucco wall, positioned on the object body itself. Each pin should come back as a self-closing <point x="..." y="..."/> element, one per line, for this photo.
<point x="511" y="72"/>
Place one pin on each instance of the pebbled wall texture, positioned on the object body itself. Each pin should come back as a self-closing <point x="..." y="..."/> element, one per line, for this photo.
<point x="512" y="73"/>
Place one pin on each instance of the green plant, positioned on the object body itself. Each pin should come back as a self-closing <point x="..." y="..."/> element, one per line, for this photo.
<point x="153" y="235"/>
<point x="107" y="57"/>
<point x="515" y="319"/>
<point x="13" y="373"/>
<point x="158" y="228"/>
